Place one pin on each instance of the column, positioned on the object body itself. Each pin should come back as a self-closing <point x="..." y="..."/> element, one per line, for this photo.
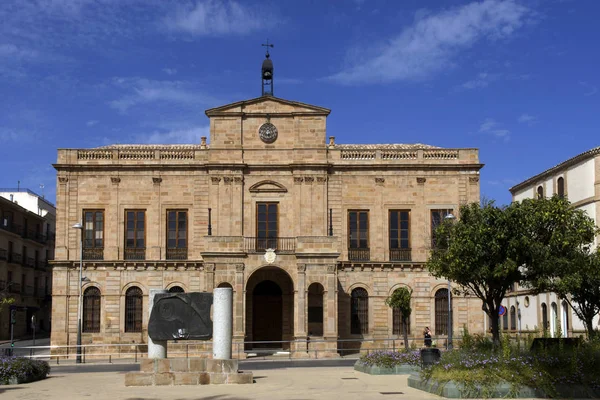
<point x="155" y="349"/>
<point x="238" y="311"/>
<point x="331" y="323"/>
<point x="222" y="323"/>
<point x="300" y="336"/>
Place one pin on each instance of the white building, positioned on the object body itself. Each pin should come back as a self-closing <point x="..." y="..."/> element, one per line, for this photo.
<point x="578" y="179"/>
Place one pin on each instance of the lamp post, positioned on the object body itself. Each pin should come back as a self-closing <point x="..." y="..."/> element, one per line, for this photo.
<point x="79" y="227"/>
<point x="449" y="217"/>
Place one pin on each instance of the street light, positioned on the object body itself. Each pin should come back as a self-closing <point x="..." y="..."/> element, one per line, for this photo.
<point x="79" y="227"/>
<point x="449" y="217"/>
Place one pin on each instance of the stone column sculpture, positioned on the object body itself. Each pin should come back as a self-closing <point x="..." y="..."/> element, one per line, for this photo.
<point x="155" y="349"/>
<point x="222" y="323"/>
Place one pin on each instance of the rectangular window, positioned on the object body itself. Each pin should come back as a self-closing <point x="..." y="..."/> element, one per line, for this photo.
<point x="267" y="225"/>
<point x="7" y="219"/>
<point x="135" y="234"/>
<point x="358" y="235"/>
<point x="177" y="241"/>
<point x="437" y="217"/>
<point x="93" y="235"/>
<point x="399" y="235"/>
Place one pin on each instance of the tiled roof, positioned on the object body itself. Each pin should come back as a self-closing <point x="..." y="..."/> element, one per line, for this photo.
<point x="571" y="161"/>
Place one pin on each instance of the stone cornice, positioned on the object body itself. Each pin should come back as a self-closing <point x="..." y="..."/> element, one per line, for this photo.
<point x="157" y="265"/>
<point x="350" y="266"/>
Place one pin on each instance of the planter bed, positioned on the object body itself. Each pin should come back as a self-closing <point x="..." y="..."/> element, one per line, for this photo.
<point x="402" y="369"/>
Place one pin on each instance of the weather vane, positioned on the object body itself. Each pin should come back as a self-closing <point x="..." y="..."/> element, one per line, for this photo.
<point x="267" y="45"/>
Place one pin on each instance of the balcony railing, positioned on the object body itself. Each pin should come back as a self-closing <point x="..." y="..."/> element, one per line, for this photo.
<point x="93" y="253"/>
<point x="33" y="235"/>
<point x="15" y="258"/>
<point x="12" y="227"/>
<point x="14" y="287"/>
<point x="400" y="255"/>
<point x="281" y="245"/>
<point x="177" y="254"/>
<point x="3" y="254"/>
<point x="135" y="254"/>
<point x="359" y="254"/>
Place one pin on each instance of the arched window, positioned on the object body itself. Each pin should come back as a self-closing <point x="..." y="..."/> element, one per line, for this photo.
<point x="505" y="320"/>
<point x="554" y="319"/>
<point x="544" y="317"/>
<point x="513" y="318"/>
<point x="565" y="319"/>
<point x="540" y="192"/>
<point x="176" y="289"/>
<point x="315" y="309"/>
<point x="91" y="309"/>
<point x="397" y="324"/>
<point x="560" y="186"/>
<point x="441" y="312"/>
<point x="225" y="285"/>
<point x="359" y="312"/>
<point x="133" y="309"/>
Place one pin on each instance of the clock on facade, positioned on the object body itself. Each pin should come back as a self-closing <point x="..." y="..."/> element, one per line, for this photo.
<point x="267" y="132"/>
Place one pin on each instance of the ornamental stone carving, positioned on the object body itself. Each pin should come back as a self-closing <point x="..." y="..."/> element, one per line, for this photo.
<point x="298" y="179"/>
<point x="215" y="180"/>
<point x="309" y="179"/>
<point x="421" y="181"/>
<point x="156" y="181"/>
<point x="473" y="179"/>
<point x="115" y="179"/>
<point x="238" y="179"/>
<point x="331" y="268"/>
<point x="380" y="181"/>
<point x="302" y="268"/>
<point x="321" y="179"/>
<point x="63" y="179"/>
<point x="210" y="267"/>
<point x="227" y="180"/>
<point x="239" y="267"/>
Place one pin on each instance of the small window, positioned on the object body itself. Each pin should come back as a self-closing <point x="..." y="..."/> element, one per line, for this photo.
<point x="545" y="325"/>
<point x="560" y="185"/>
<point x="176" y="289"/>
<point x="135" y="235"/>
<point x="505" y="320"/>
<point x="441" y="312"/>
<point x="91" y="310"/>
<point x="513" y="318"/>
<point x="177" y="235"/>
<point x="398" y="324"/>
<point x="358" y="235"/>
<point x="93" y="235"/>
<point x="540" y="192"/>
<point x="133" y="309"/>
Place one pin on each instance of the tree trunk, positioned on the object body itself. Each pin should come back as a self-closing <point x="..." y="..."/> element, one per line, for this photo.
<point x="405" y="323"/>
<point x="493" y="314"/>
<point x="589" y="327"/>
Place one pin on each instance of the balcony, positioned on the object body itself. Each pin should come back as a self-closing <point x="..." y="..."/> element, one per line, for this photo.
<point x="400" y="255"/>
<point x="36" y="236"/>
<point x="135" y="254"/>
<point x="3" y="254"/>
<point x="177" y="254"/>
<point x="15" y="258"/>
<point x="282" y="245"/>
<point x="93" y="253"/>
<point x="359" y="254"/>
<point x="12" y="227"/>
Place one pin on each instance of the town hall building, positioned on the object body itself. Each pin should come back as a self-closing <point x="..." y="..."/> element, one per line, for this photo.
<point x="311" y="234"/>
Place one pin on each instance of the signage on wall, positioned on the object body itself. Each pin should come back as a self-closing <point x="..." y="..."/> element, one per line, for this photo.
<point x="502" y="310"/>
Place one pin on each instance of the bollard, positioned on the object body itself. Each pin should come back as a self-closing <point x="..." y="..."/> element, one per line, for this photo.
<point x="135" y="347"/>
<point x="110" y="359"/>
<point x="84" y="355"/>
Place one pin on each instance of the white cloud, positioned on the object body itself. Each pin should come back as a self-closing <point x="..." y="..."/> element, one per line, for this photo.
<point x="482" y="80"/>
<point x="144" y="91"/>
<point x="490" y="127"/>
<point x="92" y="122"/>
<point x="170" y="71"/>
<point x="15" y="53"/>
<point x="590" y="89"/>
<point x="527" y="119"/>
<point x="213" y="18"/>
<point x="432" y="42"/>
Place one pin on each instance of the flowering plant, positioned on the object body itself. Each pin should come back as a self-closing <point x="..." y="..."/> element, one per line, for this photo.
<point x="389" y="359"/>
<point x="22" y="369"/>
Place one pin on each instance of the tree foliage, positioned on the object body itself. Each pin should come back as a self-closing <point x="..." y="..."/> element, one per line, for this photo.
<point x="400" y="299"/>
<point x="490" y="248"/>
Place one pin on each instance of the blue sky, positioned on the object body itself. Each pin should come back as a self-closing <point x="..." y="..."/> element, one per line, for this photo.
<point x="516" y="79"/>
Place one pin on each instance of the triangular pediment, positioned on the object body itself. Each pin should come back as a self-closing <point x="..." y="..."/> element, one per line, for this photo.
<point x="268" y="187"/>
<point x="265" y="105"/>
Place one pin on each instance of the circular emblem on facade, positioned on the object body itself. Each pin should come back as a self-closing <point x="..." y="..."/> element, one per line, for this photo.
<point x="267" y="132"/>
<point x="270" y="256"/>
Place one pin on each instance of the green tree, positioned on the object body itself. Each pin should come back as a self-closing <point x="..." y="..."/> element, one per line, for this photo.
<point x="490" y="248"/>
<point x="400" y="299"/>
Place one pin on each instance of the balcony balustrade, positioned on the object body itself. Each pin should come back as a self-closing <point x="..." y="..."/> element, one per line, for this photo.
<point x="177" y="254"/>
<point x="93" y="254"/>
<point x="400" y="255"/>
<point x="359" y="254"/>
<point x="281" y="245"/>
<point x="15" y="258"/>
<point x="135" y="254"/>
<point x="12" y="227"/>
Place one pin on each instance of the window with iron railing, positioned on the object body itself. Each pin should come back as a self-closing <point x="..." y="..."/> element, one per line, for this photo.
<point x="358" y="235"/>
<point x="398" y="324"/>
<point x="399" y="235"/>
<point x="177" y="240"/>
<point x="135" y="235"/>
<point x="441" y="312"/>
<point x="359" y="311"/>
<point x="133" y="309"/>
<point x="91" y="309"/>
<point x="93" y="235"/>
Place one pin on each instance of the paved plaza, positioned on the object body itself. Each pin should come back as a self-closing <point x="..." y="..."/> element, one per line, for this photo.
<point x="340" y="383"/>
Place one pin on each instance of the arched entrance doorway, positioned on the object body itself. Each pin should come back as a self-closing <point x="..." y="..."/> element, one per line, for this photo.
<point x="269" y="308"/>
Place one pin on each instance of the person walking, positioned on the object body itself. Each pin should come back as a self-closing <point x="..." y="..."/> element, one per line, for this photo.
<point x="427" y="337"/>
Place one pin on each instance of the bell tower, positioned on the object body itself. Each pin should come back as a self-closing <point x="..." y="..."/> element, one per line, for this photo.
<point x="267" y="72"/>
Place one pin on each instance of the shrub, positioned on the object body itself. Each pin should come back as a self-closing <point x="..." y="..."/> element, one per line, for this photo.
<point x="389" y="359"/>
<point x="22" y="369"/>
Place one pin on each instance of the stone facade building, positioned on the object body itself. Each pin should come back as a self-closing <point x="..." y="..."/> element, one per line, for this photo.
<point x="26" y="246"/>
<point x="578" y="179"/>
<point x="311" y="235"/>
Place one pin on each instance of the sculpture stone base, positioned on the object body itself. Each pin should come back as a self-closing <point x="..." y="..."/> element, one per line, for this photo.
<point x="187" y="371"/>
